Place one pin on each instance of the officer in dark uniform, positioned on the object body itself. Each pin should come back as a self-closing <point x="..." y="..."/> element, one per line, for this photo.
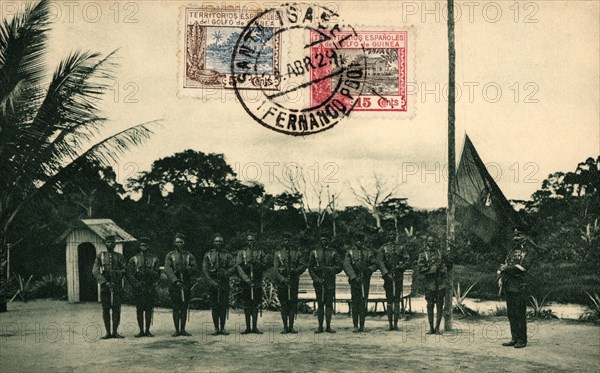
<point x="359" y="264"/>
<point x="218" y="266"/>
<point x="512" y="279"/>
<point x="434" y="264"/>
<point x="143" y="272"/>
<point x="180" y="268"/>
<point x="324" y="264"/>
<point x="109" y="271"/>
<point x="251" y="264"/>
<point x="393" y="260"/>
<point x="289" y="264"/>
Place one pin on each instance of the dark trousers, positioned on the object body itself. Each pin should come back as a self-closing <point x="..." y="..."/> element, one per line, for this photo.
<point x="393" y="290"/>
<point x="393" y="296"/>
<point x="218" y="298"/>
<point x="360" y="299"/>
<point x="516" y="307"/>
<point x="180" y="303"/>
<point x="325" y="297"/>
<point x="111" y="303"/>
<point x="144" y="305"/>
<point x="288" y="298"/>
<point x="435" y="298"/>
<point x="251" y="297"/>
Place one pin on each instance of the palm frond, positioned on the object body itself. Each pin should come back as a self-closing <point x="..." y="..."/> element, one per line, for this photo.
<point x="102" y="154"/>
<point x="69" y="117"/>
<point x="22" y="45"/>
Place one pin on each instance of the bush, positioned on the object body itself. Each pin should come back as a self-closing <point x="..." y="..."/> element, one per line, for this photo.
<point x="593" y="313"/>
<point x="567" y="282"/>
<point x="500" y="311"/>
<point x="50" y="287"/>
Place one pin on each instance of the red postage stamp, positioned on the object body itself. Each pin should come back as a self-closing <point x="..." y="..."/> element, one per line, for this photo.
<point x="388" y="68"/>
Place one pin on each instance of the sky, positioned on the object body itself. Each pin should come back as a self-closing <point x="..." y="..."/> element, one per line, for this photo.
<point x="527" y="72"/>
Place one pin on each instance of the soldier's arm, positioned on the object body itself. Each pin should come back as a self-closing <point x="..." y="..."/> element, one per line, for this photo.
<point x="277" y="265"/>
<point x="381" y="262"/>
<point x="205" y="271"/>
<point x="448" y="259"/>
<point x="336" y="266"/>
<point x="97" y="272"/>
<point x="404" y="260"/>
<point x="155" y="271"/>
<point x="312" y="268"/>
<point x="231" y="267"/>
<point x="266" y="261"/>
<point x="422" y="264"/>
<point x="347" y="265"/>
<point x="301" y="265"/>
<point x="131" y="272"/>
<point x="524" y="265"/>
<point x="372" y="262"/>
<point x="169" y="270"/>
<point x="193" y="267"/>
<point x="240" y="271"/>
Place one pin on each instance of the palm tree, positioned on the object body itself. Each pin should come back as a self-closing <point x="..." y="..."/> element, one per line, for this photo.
<point x="218" y="37"/>
<point x="49" y="130"/>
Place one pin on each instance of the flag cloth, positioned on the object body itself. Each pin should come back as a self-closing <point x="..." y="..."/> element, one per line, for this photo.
<point x="480" y="205"/>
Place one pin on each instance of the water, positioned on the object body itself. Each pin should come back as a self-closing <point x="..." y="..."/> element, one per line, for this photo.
<point x="486" y="307"/>
<point x="219" y="53"/>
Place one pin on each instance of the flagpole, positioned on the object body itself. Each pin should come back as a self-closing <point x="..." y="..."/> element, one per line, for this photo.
<point x="451" y="161"/>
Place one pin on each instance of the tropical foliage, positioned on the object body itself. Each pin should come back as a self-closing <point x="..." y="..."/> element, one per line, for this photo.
<point x="50" y="126"/>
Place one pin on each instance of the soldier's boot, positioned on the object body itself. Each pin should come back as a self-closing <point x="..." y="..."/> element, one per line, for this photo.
<point x="328" y="314"/>
<point x="361" y="317"/>
<point x="222" y="319"/>
<point x="116" y="319"/>
<point x="106" y="318"/>
<point x="430" y="319"/>
<point x="215" y="318"/>
<point x="439" y="314"/>
<point x="248" y="315"/>
<point x="140" y="320"/>
<point x="255" y="329"/>
<point x="354" y="318"/>
<point x="284" y="318"/>
<point x="149" y="315"/>
<point x="183" y="318"/>
<point x="390" y="315"/>
<point x="291" y="315"/>
<point x="176" y="322"/>
<point x="320" y="319"/>
<point x="396" y="315"/>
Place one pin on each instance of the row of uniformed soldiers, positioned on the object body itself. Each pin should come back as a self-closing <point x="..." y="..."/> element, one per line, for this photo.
<point x="251" y="264"/>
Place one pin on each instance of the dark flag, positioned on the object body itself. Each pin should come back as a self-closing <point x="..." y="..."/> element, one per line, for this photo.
<point x="480" y="205"/>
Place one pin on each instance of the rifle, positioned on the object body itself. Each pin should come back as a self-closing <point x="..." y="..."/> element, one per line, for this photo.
<point x="323" y="279"/>
<point x="289" y="275"/>
<point x="103" y="270"/>
<point x="182" y="291"/>
<point x="391" y="262"/>
<point x="362" y="288"/>
<point x="251" y="281"/>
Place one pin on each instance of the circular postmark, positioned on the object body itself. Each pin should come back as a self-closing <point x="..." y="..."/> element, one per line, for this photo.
<point x="319" y="83"/>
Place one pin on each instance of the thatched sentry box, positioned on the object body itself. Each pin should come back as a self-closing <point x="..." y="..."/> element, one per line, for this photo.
<point x="84" y="242"/>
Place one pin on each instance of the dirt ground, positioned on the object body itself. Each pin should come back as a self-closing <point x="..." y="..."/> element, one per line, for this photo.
<point x="57" y="336"/>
